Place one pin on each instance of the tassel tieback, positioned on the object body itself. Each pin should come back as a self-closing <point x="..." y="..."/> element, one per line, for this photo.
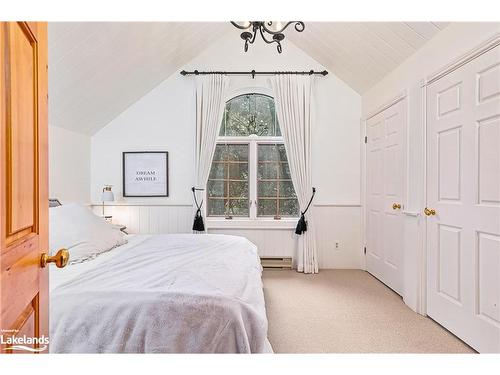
<point x="302" y="223"/>
<point x="198" y="224"/>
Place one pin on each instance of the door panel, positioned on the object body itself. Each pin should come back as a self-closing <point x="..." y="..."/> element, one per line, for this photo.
<point x="488" y="277"/>
<point x="449" y="160"/>
<point x="463" y="186"/>
<point x="385" y="186"/>
<point x="23" y="182"/>
<point x="449" y="262"/>
<point x="21" y="144"/>
<point x="488" y="159"/>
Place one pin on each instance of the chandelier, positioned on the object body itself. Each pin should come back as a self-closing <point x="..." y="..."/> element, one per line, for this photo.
<point x="270" y="31"/>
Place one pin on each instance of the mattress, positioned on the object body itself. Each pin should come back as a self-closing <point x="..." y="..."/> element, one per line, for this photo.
<point x="177" y="293"/>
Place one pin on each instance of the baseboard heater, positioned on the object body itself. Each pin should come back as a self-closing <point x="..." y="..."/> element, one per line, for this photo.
<point x="276" y="263"/>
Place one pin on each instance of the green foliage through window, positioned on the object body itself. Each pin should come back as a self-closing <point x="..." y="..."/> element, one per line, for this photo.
<point x="275" y="193"/>
<point x="250" y="114"/>
<point x="229" y="188"/>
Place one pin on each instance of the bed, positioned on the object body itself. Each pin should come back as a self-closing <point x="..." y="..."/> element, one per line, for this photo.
<point x="181" y="293"/>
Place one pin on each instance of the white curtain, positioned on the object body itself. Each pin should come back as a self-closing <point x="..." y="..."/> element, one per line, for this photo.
<point x="210" y="101"/>
<point x="293" y="98"/>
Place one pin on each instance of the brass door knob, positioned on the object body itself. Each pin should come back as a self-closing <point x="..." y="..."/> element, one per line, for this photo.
<point x="396" y="206"/>
<point x="429" y="212"/>
<point x="60" y="259"/>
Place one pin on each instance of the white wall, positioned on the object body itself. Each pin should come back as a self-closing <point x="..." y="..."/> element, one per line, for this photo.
<point x="454" y="41"/>
<point x="69" y="165"/>
<point x="164" y="119"/>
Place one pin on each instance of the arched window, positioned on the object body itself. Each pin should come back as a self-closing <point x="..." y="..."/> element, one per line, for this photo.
<point x="250" y="176"/>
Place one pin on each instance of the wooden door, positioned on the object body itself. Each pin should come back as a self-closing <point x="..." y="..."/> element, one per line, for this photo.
<point x="23" y="186"/>
<point x="385" y="186"/>
<point x="463" y="198"/>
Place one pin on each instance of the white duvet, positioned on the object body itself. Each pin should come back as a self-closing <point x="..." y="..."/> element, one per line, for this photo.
<point x="162" y="294"/>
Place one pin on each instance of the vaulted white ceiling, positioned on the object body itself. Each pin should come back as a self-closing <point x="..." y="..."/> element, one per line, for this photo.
<point x="97" y="70"/>
<point x="362" y="53"/>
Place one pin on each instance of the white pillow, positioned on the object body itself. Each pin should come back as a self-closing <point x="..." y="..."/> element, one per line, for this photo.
<point x="78" y="229"/>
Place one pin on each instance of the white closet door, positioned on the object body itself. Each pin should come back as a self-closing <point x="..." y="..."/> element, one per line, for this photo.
<point x="463" y="187"/>
<point x="385" y="178"/>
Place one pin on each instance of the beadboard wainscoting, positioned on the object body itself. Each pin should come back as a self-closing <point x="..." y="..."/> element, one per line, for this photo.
<point x="338" y="237"/>
<point x="150" y="219"/>
<point x="338" y="230"/>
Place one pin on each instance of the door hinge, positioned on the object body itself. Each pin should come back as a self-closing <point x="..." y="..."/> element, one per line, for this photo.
<point x="365" y="250"/>
<point x="366" y="139"/>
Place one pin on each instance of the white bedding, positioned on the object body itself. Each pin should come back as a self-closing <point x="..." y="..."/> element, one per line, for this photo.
<point x="84" y="234"/>
<point x="162" y="294"/>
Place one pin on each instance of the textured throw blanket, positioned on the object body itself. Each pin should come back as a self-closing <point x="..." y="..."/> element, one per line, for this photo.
<point x="168" y="294"/>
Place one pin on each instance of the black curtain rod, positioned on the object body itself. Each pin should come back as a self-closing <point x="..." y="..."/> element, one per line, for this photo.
<point x="253" y="73"/>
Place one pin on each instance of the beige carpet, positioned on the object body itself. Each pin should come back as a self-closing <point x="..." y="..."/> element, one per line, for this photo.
<point x="347" y="311"/>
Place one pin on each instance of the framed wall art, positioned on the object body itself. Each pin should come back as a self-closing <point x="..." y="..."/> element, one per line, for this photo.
<point x="145" y="174"/>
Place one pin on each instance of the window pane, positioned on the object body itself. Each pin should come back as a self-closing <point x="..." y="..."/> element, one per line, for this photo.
<point x="238" y="171"/>
<point x="237" y="152"/>
<point x="267" y="189"/>
<point x="218" y="171"/>
<point x="215" y="207"/>
<point x="264" y="116"/>
<point x="250" y="114"/>
<point x="233" y="152"/>
<point x="238" y="207"/>
<point x="267" y="207"/>
<point x="275" y="192"/>
<point x="267" y="171"/>
<point x="282" y="152"/>
<point x="289" y="207"/>
<point x="284" y="170"/>
<point x="236" y="117"/>
<point x="286" y="189"/>
<point x="217" y="188"/>
<point x="219" y="154"/>
<point x="268" y="153"/>
<point x="228" y="181"/>
<point x="238" y="189"/>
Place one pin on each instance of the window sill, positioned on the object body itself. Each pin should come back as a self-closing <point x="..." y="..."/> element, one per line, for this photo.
<point x="241" y="223"/>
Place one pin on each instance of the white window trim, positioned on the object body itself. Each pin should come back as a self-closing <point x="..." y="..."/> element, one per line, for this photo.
<point x="253" y="221"/>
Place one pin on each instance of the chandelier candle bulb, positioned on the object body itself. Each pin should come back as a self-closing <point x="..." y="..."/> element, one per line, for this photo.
<point x="275" y="30"/>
